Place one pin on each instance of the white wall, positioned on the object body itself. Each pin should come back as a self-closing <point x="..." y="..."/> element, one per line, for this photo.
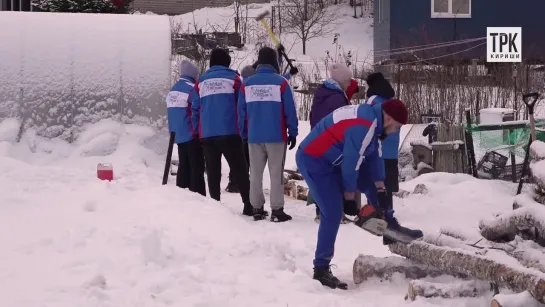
<point x="59" y="70"/>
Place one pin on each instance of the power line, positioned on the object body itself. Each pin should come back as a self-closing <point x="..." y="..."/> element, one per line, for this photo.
<point x="424" y="47"/>
<point x="434" y="44"/>
<point x="437" y="57"/>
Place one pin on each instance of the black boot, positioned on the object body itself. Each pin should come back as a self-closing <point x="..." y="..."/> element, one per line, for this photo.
<point x="232" y="187"/>
<point x="326" y="278"/>
<point x="260" y="214"/>
<point x="396" y="232"/>
<point x="279" y="215"/>
<point x="248" y="209"/>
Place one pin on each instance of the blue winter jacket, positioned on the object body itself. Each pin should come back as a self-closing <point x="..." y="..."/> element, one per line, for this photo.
<point x="390" y="145"/>
<point x="214" y="103"/>
<point x="179" y="109"/>
<point x="266" y="108"/>
<point x="348" y="137"/>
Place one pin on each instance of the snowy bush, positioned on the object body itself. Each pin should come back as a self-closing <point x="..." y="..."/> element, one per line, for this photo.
<point x="83" y="6"/>
<point x="65" y="70"/>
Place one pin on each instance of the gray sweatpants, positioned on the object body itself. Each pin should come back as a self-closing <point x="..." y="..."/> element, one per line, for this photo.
<point x="275" y="155"/>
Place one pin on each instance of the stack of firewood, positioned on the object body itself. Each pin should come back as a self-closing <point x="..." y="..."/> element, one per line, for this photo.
<point x="294" y="185"/>
<point x="479" y="266"/>
<point x="508" y="254"/>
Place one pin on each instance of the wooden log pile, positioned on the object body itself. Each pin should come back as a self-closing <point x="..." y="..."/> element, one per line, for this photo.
<point x="527" y="219"/>
<point x="479" y="265"/>
<point x="295" y="186"/>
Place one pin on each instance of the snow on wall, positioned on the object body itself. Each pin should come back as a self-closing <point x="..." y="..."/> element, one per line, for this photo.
<point x="59" y="71"/>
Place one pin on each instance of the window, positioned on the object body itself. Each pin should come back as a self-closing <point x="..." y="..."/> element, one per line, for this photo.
<point x="451" y="8"/>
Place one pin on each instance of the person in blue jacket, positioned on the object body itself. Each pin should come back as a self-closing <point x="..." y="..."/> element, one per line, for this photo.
<point x="330" y="158"/>
<point x="191" y="161"/>
<point x="378" y="91"/>
<point x="267" y="119"/>
<point x="232" y="186"/>
<point x="214" y="117"/>
<point x="247" y="71"/>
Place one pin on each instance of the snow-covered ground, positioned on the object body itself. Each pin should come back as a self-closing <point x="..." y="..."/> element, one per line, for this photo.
<point x="69" y="239"/>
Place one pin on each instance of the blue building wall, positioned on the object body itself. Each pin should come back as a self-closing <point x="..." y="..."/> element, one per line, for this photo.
<point x="411" y="24"/>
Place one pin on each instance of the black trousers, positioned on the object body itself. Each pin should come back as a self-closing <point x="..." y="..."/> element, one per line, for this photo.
<point x="392" y="179"/>
<point x="191" y="167"/>
<point x="247" y="156"/>
<point x="230" y="146"/>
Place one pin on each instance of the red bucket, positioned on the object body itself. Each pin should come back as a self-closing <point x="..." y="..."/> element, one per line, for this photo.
<point x="105" y="171"/>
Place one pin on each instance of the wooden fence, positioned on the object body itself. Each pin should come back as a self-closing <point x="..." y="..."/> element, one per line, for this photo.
<point x="449" y="154"/>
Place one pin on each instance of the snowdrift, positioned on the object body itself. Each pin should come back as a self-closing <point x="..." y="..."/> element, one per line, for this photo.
<point x="69" y="239"/>
<point x="59" y="71"/>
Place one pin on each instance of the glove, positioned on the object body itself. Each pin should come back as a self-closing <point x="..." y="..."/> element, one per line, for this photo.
<point x="383" y="200"/>
<point x="294" y="71"/>
<point x="291" y="142"/>
<point x="350" y="207"/>
<point x="280" y="49"/>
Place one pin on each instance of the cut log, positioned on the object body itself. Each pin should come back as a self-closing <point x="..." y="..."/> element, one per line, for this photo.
<point x="537" y="150"/>
<point x="469" y="288"/>
<point x="366" y="267"/>
<point x="527" y="221"/>
<point x="453" y="233"/>
<point x="530" y="254"/>
<point x="523" y="299"/>
<point x="535" y="197"/>
<point x="457" y="261"/>
<point x="295" y="189"/>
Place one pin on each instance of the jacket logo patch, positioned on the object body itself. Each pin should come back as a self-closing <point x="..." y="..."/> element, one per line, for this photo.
<point x="346" y="112"/>
<point x="177" y="99"/>
<point x="257" y="93"/>
<point x="216" y="86"/>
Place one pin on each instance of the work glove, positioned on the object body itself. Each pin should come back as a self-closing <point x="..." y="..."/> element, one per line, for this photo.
<point x="291" y="142"/>
<point x="383" y="200"/>
<point x="294" y="71"/>
<point x="350" y="207"/>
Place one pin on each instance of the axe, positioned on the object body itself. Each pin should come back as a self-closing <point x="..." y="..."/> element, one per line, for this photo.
<point x="261" y="18"/>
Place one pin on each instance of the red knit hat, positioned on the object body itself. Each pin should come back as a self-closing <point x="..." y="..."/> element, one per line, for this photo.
<point x="397" y="110"/>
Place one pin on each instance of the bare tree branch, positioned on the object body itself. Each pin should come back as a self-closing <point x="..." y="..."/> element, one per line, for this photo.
<point x="308" y="19"/>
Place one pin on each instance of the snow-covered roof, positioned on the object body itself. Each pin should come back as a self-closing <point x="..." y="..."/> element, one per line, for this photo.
<point x="496" y="110"/>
